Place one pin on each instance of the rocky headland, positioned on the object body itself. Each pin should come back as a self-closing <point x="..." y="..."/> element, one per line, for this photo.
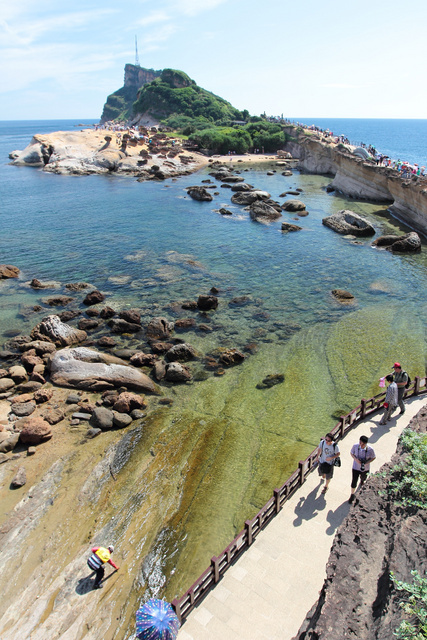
<point x="103" y="152"/>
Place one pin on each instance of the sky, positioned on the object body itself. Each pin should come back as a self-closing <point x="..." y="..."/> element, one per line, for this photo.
<point x="329" y="58"/>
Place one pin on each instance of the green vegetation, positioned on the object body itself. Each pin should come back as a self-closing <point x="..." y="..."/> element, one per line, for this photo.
<point x="118" y="106"/>
<point x="415" y="606"/>
<point x="409" y="477"/>
<point x="207" y="120"/>
<point x="174" y="93"/>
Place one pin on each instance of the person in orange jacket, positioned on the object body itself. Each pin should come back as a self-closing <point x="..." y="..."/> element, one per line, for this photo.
<point x="99" y="557"/>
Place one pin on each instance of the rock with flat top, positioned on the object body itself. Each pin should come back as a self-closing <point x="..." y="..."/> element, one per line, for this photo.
<point x="347" y="222"/>
<point x="84" y="368"/>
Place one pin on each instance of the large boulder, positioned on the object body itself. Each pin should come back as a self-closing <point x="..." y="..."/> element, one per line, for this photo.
<point x="263" y="212"/>
<point x="199" y="193"/>
<point x="293" y="205"/>
<point x="176" y="372"/>
<point x="408" y="243"/>
<point x="127" y="402"/>
<point x="181" y="353"/>
<point x="8" y="271"/>
<point x="58" y="332"/>
<point x="102" y="418"/>
<point x="84" y="368"/>
<point x="349" y="223"/>
<point x="34" y="430"/>
<point x="248" y="197"/>
<point x="9" y="443"/>
<point x="159" y="329"/>
<point x="206" y="303"/>
<point x="94" y="297"/>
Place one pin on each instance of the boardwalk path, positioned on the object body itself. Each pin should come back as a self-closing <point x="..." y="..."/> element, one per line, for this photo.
<point x="273" y="585"/>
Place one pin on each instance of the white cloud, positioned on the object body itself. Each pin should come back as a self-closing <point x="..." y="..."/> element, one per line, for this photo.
<point x="194" y="7"/>
<point x="153" y="18"/>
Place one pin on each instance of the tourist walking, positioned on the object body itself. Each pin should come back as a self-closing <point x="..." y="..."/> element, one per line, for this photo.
<point x="401" y="379"/>
<point x="362" y="456"/>
<point x="327" y="451"/>
<point x="390" y="401"/>
<point x="99" y="557"/>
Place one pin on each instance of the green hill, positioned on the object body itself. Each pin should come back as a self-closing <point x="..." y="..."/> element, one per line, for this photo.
<point x="175" y="93"/>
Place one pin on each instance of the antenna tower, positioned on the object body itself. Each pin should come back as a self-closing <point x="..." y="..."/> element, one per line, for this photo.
<point x="136" y="52"/>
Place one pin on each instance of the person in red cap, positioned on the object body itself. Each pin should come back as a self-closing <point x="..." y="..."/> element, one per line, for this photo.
<point x="100" y="555"/>
<point x="400" y="378"/>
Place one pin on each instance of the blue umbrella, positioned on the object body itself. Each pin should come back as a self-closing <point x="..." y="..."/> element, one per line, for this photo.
<point x="156" y="620"/>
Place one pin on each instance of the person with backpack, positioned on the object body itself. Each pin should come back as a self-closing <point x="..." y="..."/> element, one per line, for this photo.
<point x="99" y="557"/>
<point x="401" y="378"/>
<point x="390" y="400"/>
<point x="327" y="452"/>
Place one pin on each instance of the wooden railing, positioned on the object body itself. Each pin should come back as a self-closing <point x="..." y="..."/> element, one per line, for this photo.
<point x="219" y="564"/>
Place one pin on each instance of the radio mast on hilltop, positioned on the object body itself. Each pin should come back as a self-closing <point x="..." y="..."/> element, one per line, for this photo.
<point x="136" y="53"/>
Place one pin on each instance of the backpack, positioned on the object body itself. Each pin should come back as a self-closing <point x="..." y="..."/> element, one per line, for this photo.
<point x="409" y="380"/>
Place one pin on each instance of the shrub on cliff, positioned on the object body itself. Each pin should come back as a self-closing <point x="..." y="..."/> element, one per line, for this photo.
<point x="409" y="481"/>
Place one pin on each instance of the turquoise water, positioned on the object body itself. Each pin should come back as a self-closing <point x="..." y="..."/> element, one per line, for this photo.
<point x="225" y="443"/>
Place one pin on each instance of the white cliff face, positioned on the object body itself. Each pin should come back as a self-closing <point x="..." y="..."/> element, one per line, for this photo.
<point x="364" y="180"/>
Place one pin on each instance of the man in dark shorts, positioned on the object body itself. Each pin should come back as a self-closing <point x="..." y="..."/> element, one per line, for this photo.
<point x="326" y="454"/>
<point x="362" y="456"/>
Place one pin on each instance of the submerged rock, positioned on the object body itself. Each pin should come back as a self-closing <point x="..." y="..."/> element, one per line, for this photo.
<point x="343" y="296"/>
<point x="271" y="380"/>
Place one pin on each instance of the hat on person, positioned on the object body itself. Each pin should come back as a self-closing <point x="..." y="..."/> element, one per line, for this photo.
<point x="111" y="548"/>
<point x="396" y="364"/>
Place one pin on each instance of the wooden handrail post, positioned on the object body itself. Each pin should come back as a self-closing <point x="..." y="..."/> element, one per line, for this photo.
<point x="342" y="426"/>
<point x="417" y="381"/>
<point x="301" y="465"/>
<point x="215" y="568"/>
<point x="363" y="410"/>
<point x="276" y="495"/>
<point x="248" y="527"/>
<point x="177" y="606"/>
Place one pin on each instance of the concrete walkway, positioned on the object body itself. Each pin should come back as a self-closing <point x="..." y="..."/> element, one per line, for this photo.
<point x="274" y="584"/>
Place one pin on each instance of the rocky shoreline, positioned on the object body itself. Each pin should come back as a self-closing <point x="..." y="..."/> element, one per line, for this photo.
<point x="362" y="179"/>
<point x="379" y="536"/>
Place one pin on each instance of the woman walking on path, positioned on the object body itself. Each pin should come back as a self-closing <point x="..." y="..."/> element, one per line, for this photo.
<point x="326" y="453"/>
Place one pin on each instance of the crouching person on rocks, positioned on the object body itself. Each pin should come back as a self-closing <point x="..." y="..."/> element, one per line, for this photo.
<point x="99" y="557"/>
